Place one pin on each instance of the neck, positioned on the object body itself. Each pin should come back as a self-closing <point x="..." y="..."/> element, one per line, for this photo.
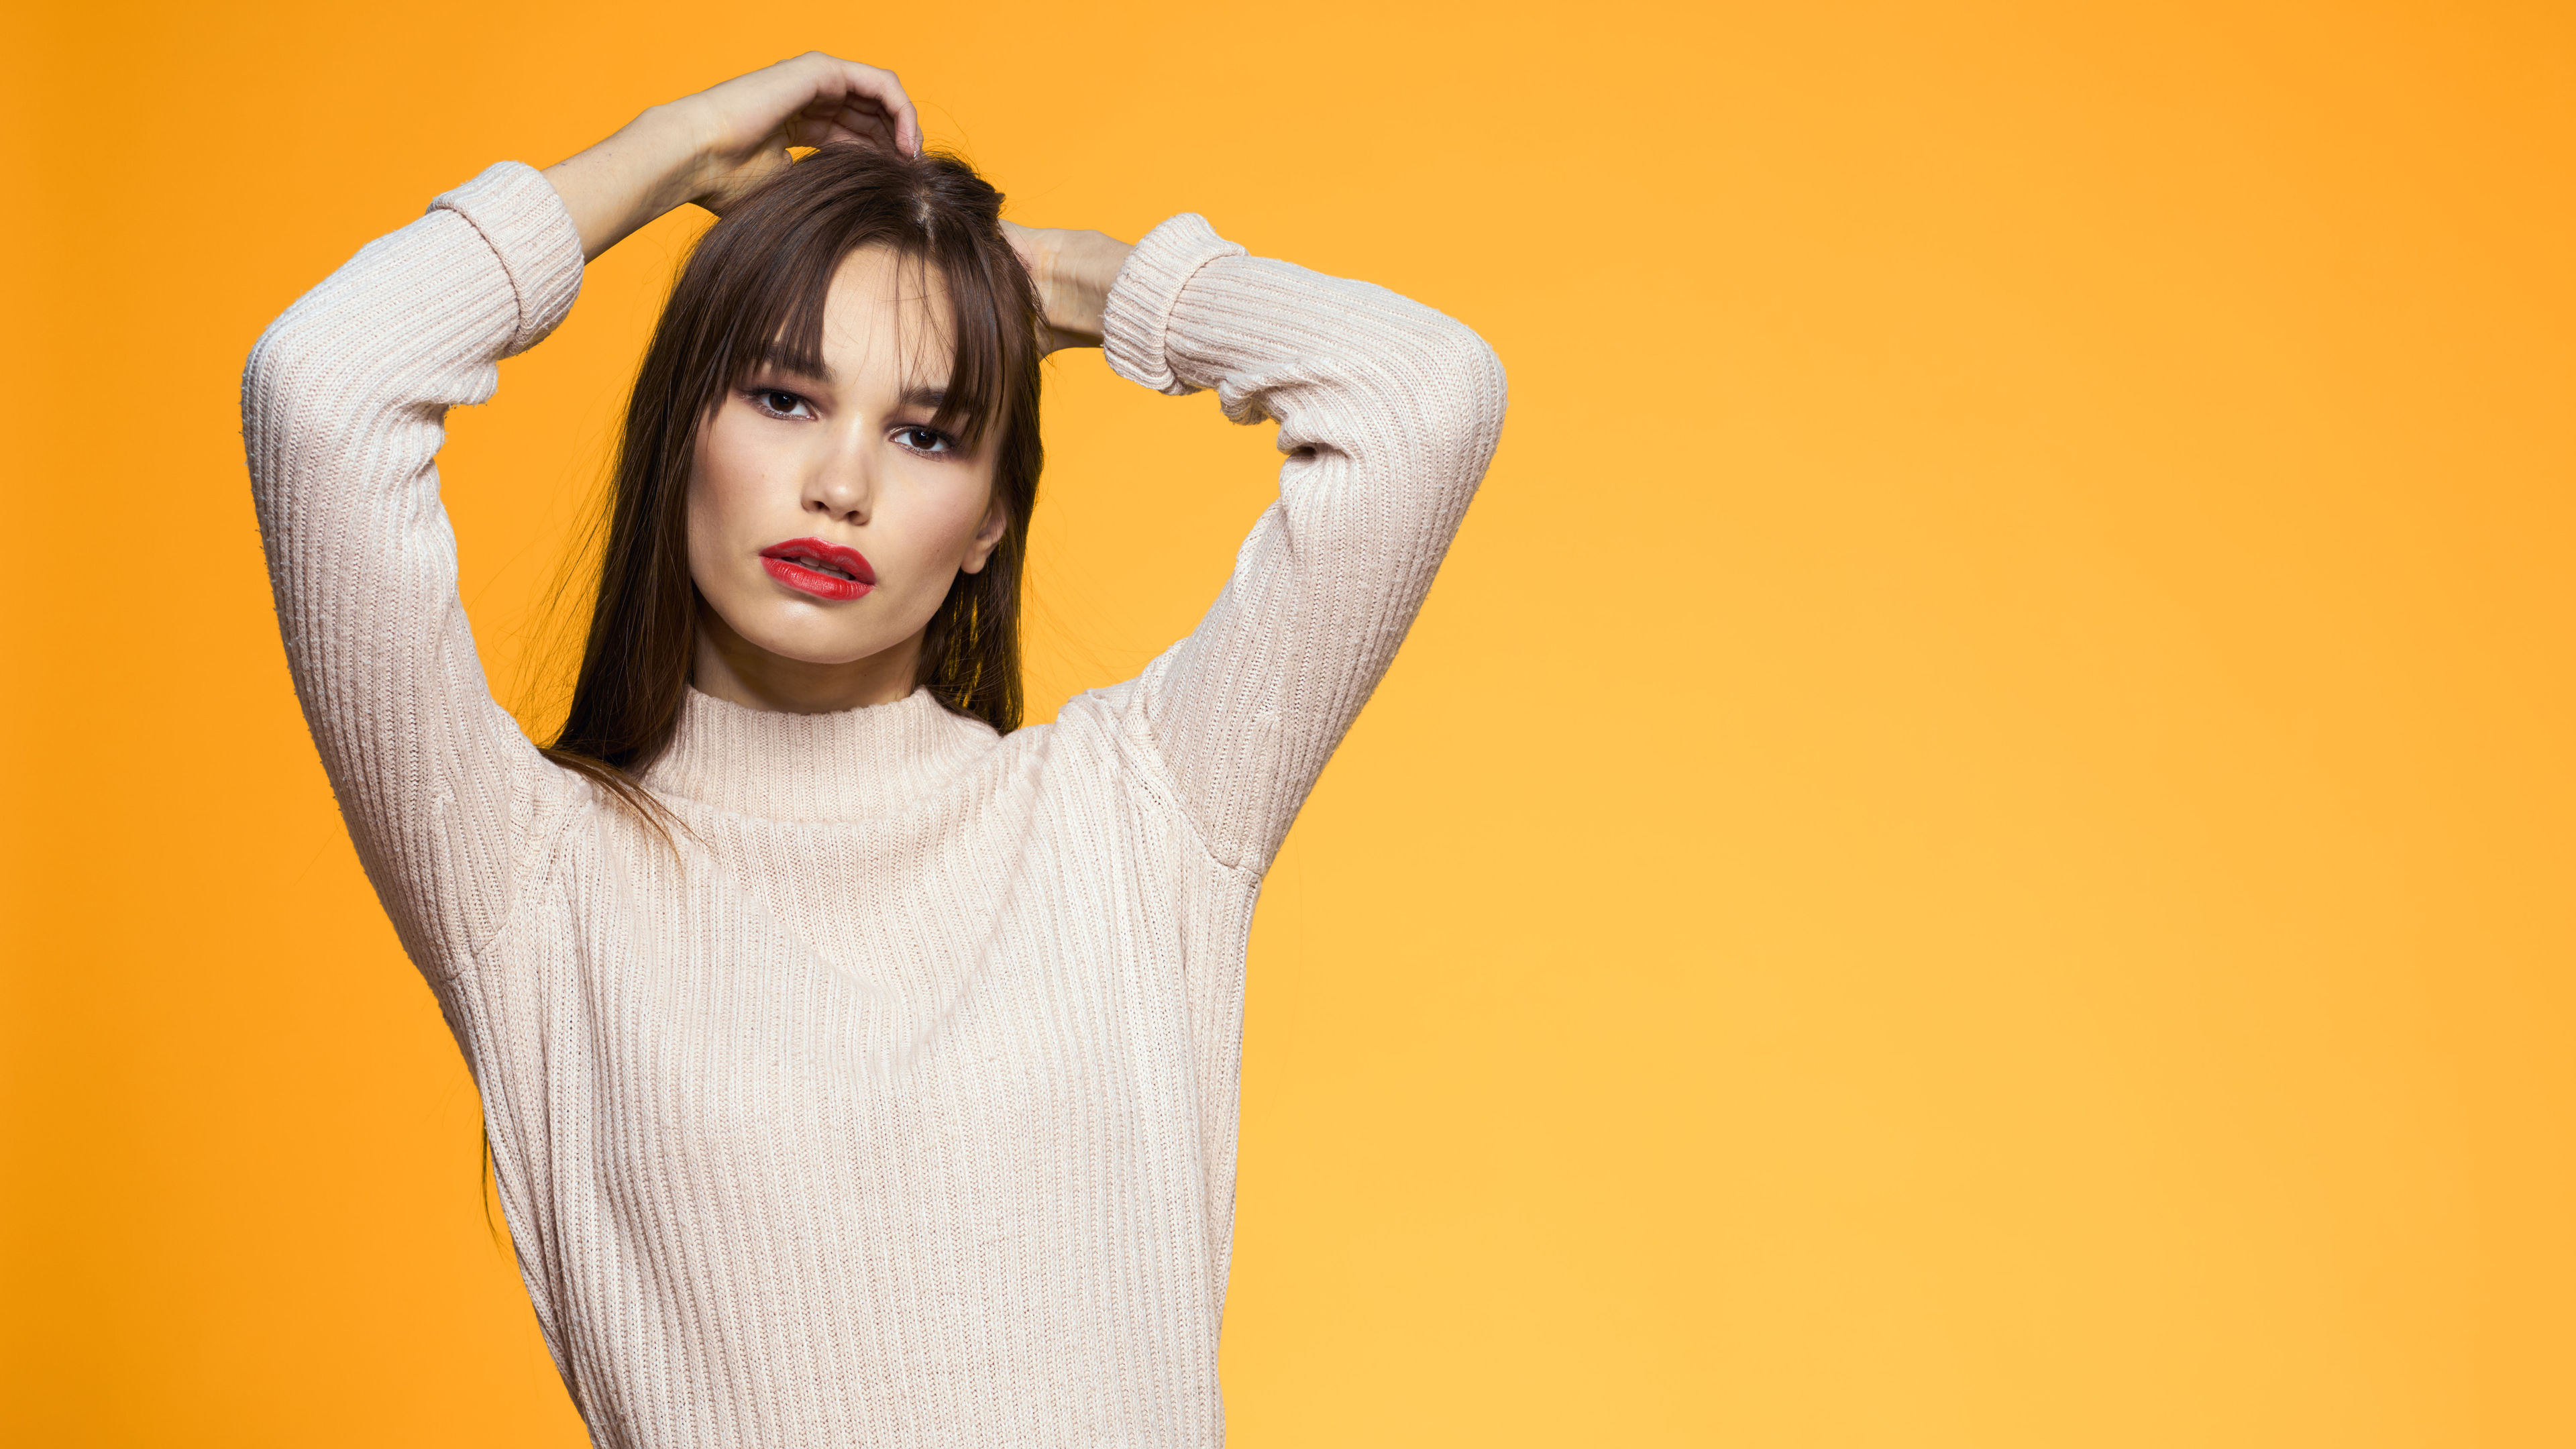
<point x="737" y="671"/>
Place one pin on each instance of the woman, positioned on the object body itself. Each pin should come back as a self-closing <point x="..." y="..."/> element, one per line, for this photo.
<point x="859" y="1066"/>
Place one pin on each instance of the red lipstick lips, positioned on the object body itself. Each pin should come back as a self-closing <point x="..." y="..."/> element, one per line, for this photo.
<point x="825" y="570"/>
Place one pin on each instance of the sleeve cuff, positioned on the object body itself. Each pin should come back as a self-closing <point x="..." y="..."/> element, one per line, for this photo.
<point x="525" y="223"/>
<point x="1138" y="317"/>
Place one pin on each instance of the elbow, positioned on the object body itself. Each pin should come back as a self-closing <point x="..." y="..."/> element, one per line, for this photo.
<point x="309" y="389"/>
<point x="1482" y="369"/>
<point x="278" y="385"/>
<point x="267" y="388"/>
<point x="1460" y="393"/>
<point x="282" y="369"/>
<point x="305" y="398"/>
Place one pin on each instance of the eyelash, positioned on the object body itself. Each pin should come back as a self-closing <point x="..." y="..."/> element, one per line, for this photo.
<point x="760" y="397"/>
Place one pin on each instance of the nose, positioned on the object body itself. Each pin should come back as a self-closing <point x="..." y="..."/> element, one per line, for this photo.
<point x="842" y="483"/>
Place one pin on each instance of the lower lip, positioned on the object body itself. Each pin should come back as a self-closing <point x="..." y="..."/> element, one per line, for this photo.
<point x="814" y="581"/>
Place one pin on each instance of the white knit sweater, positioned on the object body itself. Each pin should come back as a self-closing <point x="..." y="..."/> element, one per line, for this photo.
<point x="900" y="1109"/>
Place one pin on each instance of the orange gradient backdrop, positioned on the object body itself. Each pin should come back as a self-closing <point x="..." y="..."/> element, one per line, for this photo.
<point x="1974" y="849"/>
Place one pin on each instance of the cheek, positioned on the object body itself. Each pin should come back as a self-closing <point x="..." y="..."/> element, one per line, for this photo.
<point x="947" y="510"/>
<point x="958" y="513"/>
<point x="728" y="486"/>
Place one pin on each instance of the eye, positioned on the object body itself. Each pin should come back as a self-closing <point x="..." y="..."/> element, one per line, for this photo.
<point x="777" y="403"/>
<point x="924" y="440"/>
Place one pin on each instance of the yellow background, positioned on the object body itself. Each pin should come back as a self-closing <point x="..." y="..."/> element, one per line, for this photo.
<point x="1974" y="848"/>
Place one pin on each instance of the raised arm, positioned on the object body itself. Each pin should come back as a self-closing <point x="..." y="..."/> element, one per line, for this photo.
<point x="1388" y="412"/>
<point x="344" y="403"/>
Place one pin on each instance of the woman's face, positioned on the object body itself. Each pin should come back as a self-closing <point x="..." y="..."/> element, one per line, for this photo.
<point x="826" y="516"/>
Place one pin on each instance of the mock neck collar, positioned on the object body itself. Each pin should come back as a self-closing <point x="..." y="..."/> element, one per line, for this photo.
<point x="848" y="765"/>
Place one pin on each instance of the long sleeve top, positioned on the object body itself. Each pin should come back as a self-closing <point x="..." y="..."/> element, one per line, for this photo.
<point x="898" y="1106"/>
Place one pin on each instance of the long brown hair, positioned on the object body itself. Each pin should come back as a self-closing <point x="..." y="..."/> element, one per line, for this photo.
<point x="754" y="287"/>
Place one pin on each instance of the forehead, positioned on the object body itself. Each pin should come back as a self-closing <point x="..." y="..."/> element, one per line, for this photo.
<point x="887" y="319"/>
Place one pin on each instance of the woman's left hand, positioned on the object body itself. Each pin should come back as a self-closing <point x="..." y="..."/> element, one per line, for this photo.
<point x="1073" y="271"/>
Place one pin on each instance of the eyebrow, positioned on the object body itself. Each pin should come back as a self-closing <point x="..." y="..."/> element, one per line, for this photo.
<point x="775" y="358"/>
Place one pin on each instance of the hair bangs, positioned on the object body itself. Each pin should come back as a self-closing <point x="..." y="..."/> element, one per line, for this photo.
<point x="978" y="366"/>
<point x="776" y="317"/>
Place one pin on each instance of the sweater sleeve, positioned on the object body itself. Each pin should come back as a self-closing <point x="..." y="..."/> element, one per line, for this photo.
<point x="344" y="403"/>
<point x="1388" y="412"/>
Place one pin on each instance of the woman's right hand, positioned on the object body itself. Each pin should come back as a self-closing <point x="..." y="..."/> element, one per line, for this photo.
<point x="717" y="146"/>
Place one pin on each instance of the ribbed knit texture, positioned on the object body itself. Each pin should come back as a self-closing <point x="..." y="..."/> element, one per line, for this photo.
<point x="899" y="1109"/>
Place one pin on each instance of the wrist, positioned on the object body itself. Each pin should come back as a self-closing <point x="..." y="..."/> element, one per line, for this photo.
<point x="1081" y="266"/>
<point x="674" y="146"/>
<point x="647" y="167"/>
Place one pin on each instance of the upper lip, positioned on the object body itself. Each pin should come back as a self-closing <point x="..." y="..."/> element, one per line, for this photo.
<point x="814" y="550"/>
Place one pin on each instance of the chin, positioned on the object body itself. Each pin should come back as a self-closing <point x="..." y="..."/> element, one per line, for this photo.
<point x="803" y="632"/>
<point x="811" y="647"/>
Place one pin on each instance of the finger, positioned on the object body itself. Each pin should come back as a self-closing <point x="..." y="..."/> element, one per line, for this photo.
<point x="866" y="83"/>
<point x="871" y="125"/>
<point x="869" y="129"/>
<point x="1024" y="244"/>
<point x="825" y="130"/>
<point x="769" y="102"/>
<point x="857" y="113"/>
<point x="816" y="98"/>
